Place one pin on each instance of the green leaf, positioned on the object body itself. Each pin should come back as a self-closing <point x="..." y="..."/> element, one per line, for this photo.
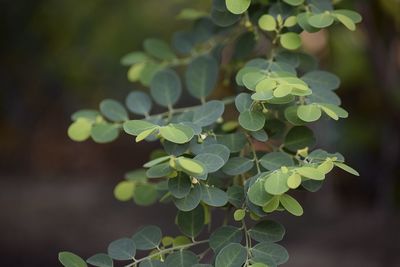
<point x="347" y="168"/>
<point x="272" y="205"/>
<point x="135" y="127"/>
<point x="257" y="193"/>
<point x="104" y="132"/>
<point x="291" y="205"/>
<point x="283" y="90"/>
<point x="291" y="116"/>
<point x="123" y="191"/>
<point x="302" y="20"/>
<point x="321" y="80"/>
<point x="294" y="2"/>
<point x="100" y="260"/>
<point x="191" y="222"/>
<point x="236" y="195"/>
<point x="251" y="79"/>
<point x="234" y="142"/>
<point x="232" y="255"/>
<point x="80" y="130"/>
<point x="138" y="103"/>
<point x="181" y="258"/>
<point x="223" y="18"/>
<point x="290" y="40"/>
<point x="290" y="21"/>
<point x="133" y="58"/>
<point x="191" y="166"/>
<point x="311" y="173"/>
<point x="267" y="231"/>
<point x="346" y="21"/>
<point x="237" y="6"/>
<point x="158" y="49"/>
<point x="267" y="251"/>
<point x="328" y="108"/>
<point x="69" y="259"/>
<point x="237" y="165"/>
<point x="276" y="183"/>
<point x="274" y="160"/>
<point x="145" y="194"/>
<point x="147" y="237"/>
<point x="267" y="23"/>
<point x="212" y="162"/>
<point x="223" y="236"/>
<point x="243" y="102"/>
<point x="89" y="114"/>
<point x="213" y="196"/>
<point x="122" y="249"/>
<point x="180" y="185"/>
<point x="252" y="120"/>
<point x="208" y="113"/>
<point x="218" y="150"/>
<point x="177" y="133"/>
<point x="158" y="171"/>
<point x="201" y="76"/>
<point x="299" y="137"/>
<point x="166" y="87"/>
<point x="260" y="135"/>
<point x="309" y="113"/>
<point x="156" y="161"/>
<point x="354" y="16"/>
<point x="190" y="201"/>
<point x="113" y="110"/>
<point x="321" y="20"/>
<point x="138" y="175"/>
<point x="294" y="181"/>
<point x="239" y="215"/>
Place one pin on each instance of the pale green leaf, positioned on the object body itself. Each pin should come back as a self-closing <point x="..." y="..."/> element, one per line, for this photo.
<point x="237" y="6"/>
<point x="69" y="259"/>
<point x="252" y="120"/>
<point x="267" y="23"/>
<point x="177" y="133"/>
<point x="290" y="40"/>
<point x="80" y="130"/>
<point x="309" y="113"/>
<point x="347" y="168"/>
<point x="113" y="110"/>
<point x="291" y="205"/>
<point x="276" y="183"/>
<point x="311" y="173"/>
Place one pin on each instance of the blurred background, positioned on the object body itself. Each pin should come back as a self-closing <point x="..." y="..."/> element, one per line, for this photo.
<point x="58" y="56"/>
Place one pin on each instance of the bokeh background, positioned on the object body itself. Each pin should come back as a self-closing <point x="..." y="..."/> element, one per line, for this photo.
<point x="58" y="56"/>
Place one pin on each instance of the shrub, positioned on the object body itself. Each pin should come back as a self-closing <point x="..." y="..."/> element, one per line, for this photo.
<point x="245" y="163"/>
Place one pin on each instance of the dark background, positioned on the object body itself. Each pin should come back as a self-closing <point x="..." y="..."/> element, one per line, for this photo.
<point x="55" y="194"/>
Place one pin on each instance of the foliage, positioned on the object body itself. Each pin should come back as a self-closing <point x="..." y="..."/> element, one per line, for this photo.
<point x="247" y="168"/>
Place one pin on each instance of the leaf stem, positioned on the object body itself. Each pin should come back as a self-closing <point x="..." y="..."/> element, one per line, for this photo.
<point x="162" y="252"/>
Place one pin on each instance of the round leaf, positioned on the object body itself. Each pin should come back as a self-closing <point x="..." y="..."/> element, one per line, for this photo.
<point x="177" y="133"/>
<point x="113" y="110"/>
<point x="275" y="160"/>
<point x="138" y="103"/>
<point x="252" y="120"/>
<point x="237" y="165"/>
<point x="290" y="40"/>
<point x="321" y="20"/>
<point x="309" y="113"/>
<point x="299" y="137"/>
<point x="191" y="222"/>
<point x="148" y="237"/>
<point x="223" y="236"/>
<point x="267" y="23"/>
<point x="213" y="196"/>
<point x="268" y="231"/>
<point x="311" y="173"/>
<point x="291" y="205"/>
<point x="158" y="48"/>
<point x="80" y="130"/>
<point x="276" y="183"/>
<point x="190" y="201"/>
<point x="104" y="132"/>
<point x="191" y="166"/>
<point x="237" y="6"/>
<point x="267" y="251"/>
<point x="69" y="259"/>
<point x="145" y="194"/>
<point x="208" y="113"/>
<point x="166" y="87"/>
<point x="201" y="76"/>
<point x="100" y="260"/>
<point x="124" y="190"/>
<point x="135" y="127"/>
<point x="122" y="249"/>
<point x="212" y="162"/>
<point x="233" y="255"/>
<point x="180" y="185"/>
